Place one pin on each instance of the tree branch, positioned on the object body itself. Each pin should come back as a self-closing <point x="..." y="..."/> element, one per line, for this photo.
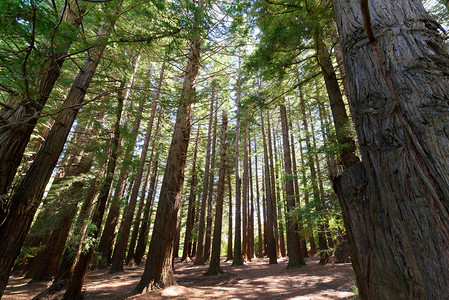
<point x="367" y="20"/>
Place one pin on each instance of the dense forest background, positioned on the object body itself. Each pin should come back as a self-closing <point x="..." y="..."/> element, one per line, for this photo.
<point x="142" y="131"/>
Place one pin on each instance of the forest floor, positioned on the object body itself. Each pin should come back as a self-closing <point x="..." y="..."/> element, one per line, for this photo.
<point x="254" y="280"/>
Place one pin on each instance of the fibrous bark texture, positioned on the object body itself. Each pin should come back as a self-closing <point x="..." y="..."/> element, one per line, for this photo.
<point x="396" y="204"/>
<point x="159" y="265"/>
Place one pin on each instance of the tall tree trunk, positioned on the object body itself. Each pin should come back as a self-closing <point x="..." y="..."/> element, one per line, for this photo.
<point x="245" y="191"/>
<point x="207" y="243"/>
<point x="22" y="111"/>
<point x="214" y="267"/>
<point x="340" y="117"/>
<point x="199" y="257"/>
<point x="268" y="195"/>
<point x="265" y="216"/>
<point x="191" y="206"/>
<point x="295" y="257"/>
<point x="259" y="222"/>
<point x="110" y="227"/>
<point x="159" y="264"/>
<point x="395" y="204"/>
<point x="297" y="192"/>
<point x="250" y="208"/>
<point x="238" y="184"/>
<point x="80" y="272"/>
<point x="272" y="179"/>
<point x="229" y="255"/>
<point x="280" y="202"/>
<point x="125" y="228"/>
<point x="17" y="220"/>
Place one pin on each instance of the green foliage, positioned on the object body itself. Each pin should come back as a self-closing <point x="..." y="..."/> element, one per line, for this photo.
<point x="355" y="290"/>
<point x="26" y="253"/>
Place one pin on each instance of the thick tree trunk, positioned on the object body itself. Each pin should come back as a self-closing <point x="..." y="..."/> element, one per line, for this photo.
<point x="118" y="256"/>
<point x="395" y="204"/>
<point x="23" y="111"/>
<point x="214" y="267"/>
<point x="268" y="195"/>
<point x="295" y="257"/>
<point x="80" y="272"/>
<point x="159" y="265"/>
<point x="26" y="199"/>
<point x="199" y="257"/>
<point x="192" y="196"/>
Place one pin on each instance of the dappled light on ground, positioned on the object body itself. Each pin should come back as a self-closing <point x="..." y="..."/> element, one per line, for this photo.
<point x="254" y="280"/>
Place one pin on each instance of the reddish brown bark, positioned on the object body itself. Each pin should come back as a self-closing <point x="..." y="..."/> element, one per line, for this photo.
<point x="159" y="265"/>
<point x="395" y="203"/>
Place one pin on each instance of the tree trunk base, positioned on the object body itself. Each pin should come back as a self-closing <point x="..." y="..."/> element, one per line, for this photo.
<point x="214" y="272"/>
<point x="55" y="291"/>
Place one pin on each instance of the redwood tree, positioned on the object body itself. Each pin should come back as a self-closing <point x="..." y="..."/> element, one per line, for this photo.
<point x="395" y="203"/>
<point x="159" y="264"/>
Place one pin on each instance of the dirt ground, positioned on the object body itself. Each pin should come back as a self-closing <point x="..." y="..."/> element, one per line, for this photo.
<point x="254" y="280"/>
